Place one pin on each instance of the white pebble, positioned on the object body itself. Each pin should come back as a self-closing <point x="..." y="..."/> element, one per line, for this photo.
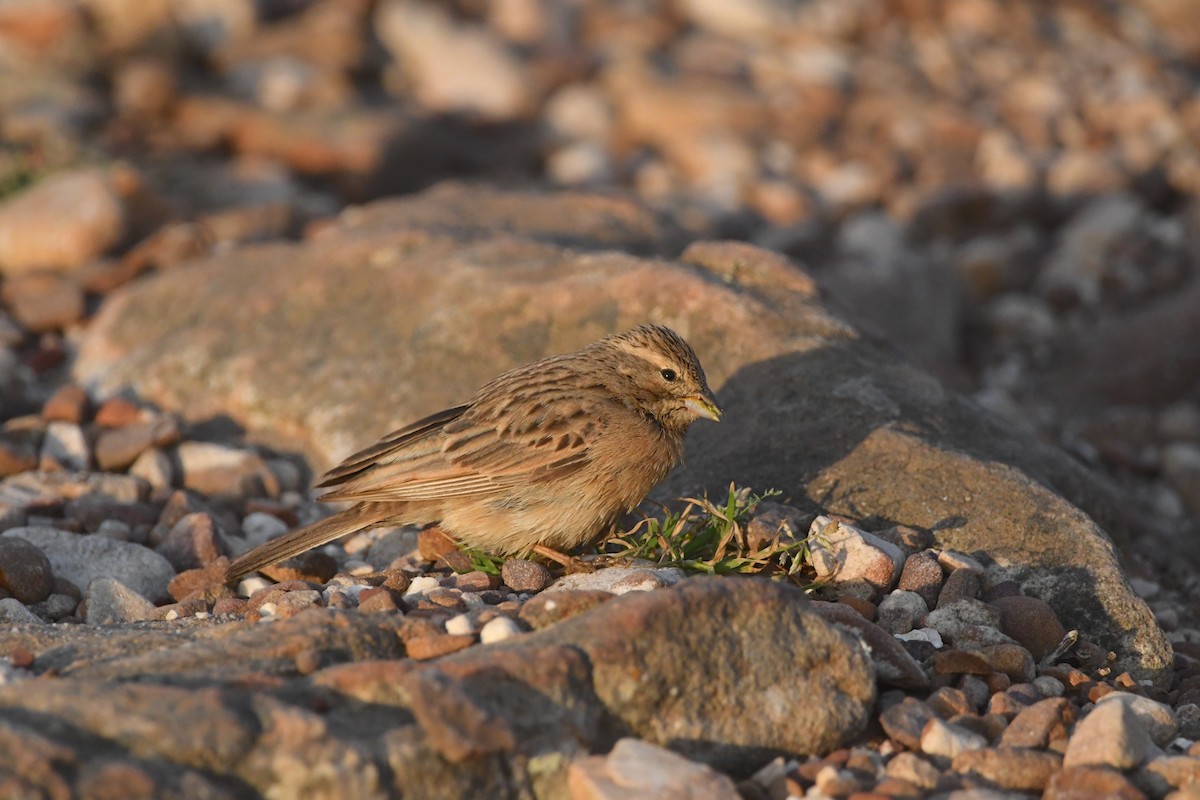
<point x="460" y="624"/>
<point x="421" y="585"/>
<point x="268" y="609"/>
<point x="250" y="585"/>
<point x="497" y="630"/>
<point x="349" y="589"/>
<point x="923" y="635"/>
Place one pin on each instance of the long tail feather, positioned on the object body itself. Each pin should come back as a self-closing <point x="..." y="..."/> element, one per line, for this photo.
<point x="303" y="539"/>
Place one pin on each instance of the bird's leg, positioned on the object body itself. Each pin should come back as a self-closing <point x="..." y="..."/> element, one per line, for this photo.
<point x="569" y="563"/>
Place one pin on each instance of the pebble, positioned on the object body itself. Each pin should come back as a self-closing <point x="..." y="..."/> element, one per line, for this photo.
<point x="951" y="561"/>
<point x="44" y="302"/>
<point x="314" y="566"/>
<point x="60" y="223"/>
<point x="1040" y="724"/>
<point x="251" y="585"/>
<point x="423" y="648"/>
<point x="220" y="470"/>
<point x="854" y="560"/>
<point x="110" y="602"/>
<point x="636" y="768"/>
<point x="55" y="607"/>
<point x="64" y="446"/>
<point x="20" y="449"/>
<point x="1088" y="782"/>
<point x="905" y="721"/>
<point x="521" y="575"/>
<point x="25" y="572"/>
<point x="1032" y="622"/>
<point x="155" y="468"/>
<point x="69" y="403"/>
<point x="192" y="542"/>
<point x="81" y="559"/>
<point x="913" y="769"/>
<point x="961" y="584"/>
<point x="1158" y="719"/>
<point x="547" y="608"/>
<point x="619" y="580"/>
<point x="901" y="611"/>
<point x="1011" y="659"/>
<point x="380" y="599"/>
<point x="259" y="527"/>
<point x="14" y="612"/>
<point x="943" y="739"/>
<point x="1016" y="770"/>
<point x="957" y="620"/>
<point x="119" y="448"/>
<point x="421" y="585"/>
<point x="1111" y="735"/>
<point x="498" y="629"/>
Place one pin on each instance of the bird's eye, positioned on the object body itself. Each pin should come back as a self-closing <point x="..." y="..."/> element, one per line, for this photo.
<point x="668" y="374"/>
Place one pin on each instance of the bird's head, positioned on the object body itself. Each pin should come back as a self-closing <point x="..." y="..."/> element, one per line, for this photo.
<point x="662" y="376"/>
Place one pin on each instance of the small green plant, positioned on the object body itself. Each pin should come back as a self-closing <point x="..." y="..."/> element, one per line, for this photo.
<point x="483" y="562"/>
<point x="701" y="537"/>
<point x="708" y="538"/>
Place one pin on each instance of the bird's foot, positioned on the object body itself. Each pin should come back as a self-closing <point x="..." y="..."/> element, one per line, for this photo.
<point x="571" y="564"/>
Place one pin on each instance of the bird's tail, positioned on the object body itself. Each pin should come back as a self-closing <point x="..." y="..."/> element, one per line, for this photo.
<point x="301" y="540"/>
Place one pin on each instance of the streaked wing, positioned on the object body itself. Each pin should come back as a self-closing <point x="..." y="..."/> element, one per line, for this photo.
<point x="389" y="445"/>
<point x="503" y="439"/>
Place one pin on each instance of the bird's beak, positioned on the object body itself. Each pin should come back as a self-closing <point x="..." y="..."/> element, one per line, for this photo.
<point x="704" y="405"/>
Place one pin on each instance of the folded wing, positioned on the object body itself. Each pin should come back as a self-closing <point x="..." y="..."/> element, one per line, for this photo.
<point x="472" y="450"/>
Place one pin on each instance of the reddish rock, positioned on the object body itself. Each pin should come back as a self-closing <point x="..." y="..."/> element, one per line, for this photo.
<point x="60" y="223"/>
<point x="44" y="301"/>
<point x="19" y="450"/>
<point x="198" y="580"/>
<point x="1016" y="770"/>
<point x="379" y="599"/>
<point x="118" y="448"/>
<point x="1011" y="659"/>
<point x="905" y="721"/>
<point x="423" y="648"/>
<point x="957" y="662"/>
<point x="947" y="702"/>
<point x="69" y="403"/>
<point x="313" y="566"/>
<point x="521" y="575"/>
<point x="434" y="543"/>
<point x="922" y="574"/>
<point x="1087" y="783"/>
<point x="1032" y="622"/>
<point x="192" y="542"/>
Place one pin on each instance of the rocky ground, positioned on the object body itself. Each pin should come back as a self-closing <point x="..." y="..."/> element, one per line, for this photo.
<point x="939" y="259"/>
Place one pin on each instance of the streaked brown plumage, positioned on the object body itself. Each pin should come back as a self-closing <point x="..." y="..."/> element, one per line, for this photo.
<point x="547" y="455"/>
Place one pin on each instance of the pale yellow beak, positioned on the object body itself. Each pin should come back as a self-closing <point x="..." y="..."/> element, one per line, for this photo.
<point x="704" y="406"/>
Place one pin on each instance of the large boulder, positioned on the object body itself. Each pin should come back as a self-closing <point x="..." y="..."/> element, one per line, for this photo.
<point x="730" y="672"/>
<point x="407" y="306"/>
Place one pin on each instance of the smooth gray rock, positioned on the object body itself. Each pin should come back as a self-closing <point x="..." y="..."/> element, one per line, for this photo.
<point x="82" y="558"/>
<point x="110" y="602"/>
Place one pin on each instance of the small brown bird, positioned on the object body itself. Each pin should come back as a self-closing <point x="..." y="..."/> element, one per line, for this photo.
<point x="544" y="458"/>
